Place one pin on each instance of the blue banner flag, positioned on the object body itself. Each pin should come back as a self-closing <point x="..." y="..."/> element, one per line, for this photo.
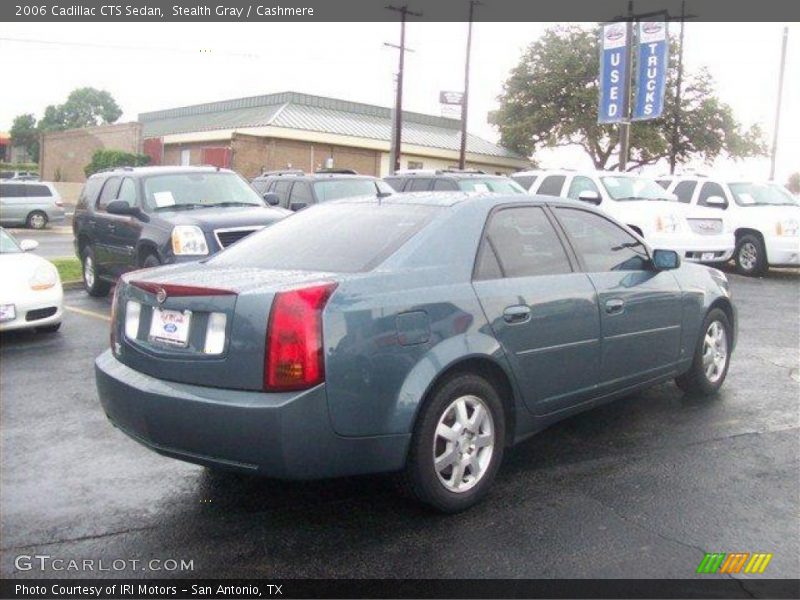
<point x="651" y="72"/>
<point x="613" y="83"/>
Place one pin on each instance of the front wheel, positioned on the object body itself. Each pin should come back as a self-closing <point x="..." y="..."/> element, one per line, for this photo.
<point x="711" y="358"/>
<point x="750" y="256"/>
<point x="457" y="445"/>
<point x="37" y="220"/>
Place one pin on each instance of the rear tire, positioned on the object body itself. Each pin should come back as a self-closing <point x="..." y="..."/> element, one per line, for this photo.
<point x="750" y="256"/>
<point x="457" y="445"/>
<point x="92" y="283"/>
<point x="36" y="220"/>
<point x="712" y="356"/>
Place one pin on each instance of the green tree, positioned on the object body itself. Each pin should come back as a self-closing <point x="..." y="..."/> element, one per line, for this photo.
<point x="25" y="133"/>
<point x="108" y="159"/>
<point x="84" y="107"/>
<point x="793" y="183"/>
<point x="550" y="100"/>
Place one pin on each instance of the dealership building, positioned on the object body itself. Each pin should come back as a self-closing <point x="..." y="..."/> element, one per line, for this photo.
<point x="277" y="131"/>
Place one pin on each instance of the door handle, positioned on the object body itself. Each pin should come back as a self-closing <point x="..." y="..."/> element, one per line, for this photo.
<point x="615" y="306"/>
<point x="516" y="314"/>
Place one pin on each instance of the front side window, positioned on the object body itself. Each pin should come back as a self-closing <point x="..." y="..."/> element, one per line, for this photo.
<point x="581" y="183"/>
<point x="521" y="242"/>
<point x="127" y="192"/>
<point x="627" y="187"/>
<point x="708" y="190"/>
<point x="39" y="191"/>
<point x="198" y="190"/>
<point x="301" y="195"/>
<point x="603" y="245"/>
<point x="281" y="189"/>
<point x="348" y="238"/>
<point x="108" y="193"/>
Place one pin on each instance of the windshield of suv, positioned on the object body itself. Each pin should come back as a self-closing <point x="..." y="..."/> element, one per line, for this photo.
<point x="8" y="244"/>
<point x="491" y="184"/>
<point x="334" y="189"/>
<point x="624" y="187"/>
<point x="759" y="194"/>
<point x="198" y="190"/>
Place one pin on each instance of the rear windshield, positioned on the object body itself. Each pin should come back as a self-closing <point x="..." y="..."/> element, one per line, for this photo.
<point x="338" y="238"/>
<point x="494" y="184"/>
<point x="336" y="189"/>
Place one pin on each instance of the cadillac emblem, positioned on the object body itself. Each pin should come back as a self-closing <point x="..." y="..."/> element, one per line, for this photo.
<point x="161" y="295"/>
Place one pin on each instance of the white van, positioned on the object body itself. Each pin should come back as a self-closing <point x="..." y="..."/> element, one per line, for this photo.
<point x="699" y="235"/>
<point x="763" y="216"/>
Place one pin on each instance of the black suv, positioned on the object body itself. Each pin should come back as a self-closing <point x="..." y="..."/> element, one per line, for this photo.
<point x="130" y="218"/>
<point x="296" y="190"/>
<point x="451" y="180"/>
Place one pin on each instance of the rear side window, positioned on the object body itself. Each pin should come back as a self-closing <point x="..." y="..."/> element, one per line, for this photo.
<point x="89" y="192"/>
<point x="12" y="190"/>
<point x="551" y="185"/>
<point x="39" y="191"/>
<point x="419" y="185"/>
<point x="684" y="191"/>
<point x="396" y="183"/>
<point x="444" y="185"/>
<point x="521" y="242"/>
<point x="525" y="181"/>
<point x="348" y="238"/>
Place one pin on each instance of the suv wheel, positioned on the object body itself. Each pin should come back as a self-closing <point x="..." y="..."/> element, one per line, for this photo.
<point x="91" y="281"/>
<point x="457" y="445"/>
<point x="751" y="257"/>
<point x="151" y="260"/>
<point x="37" y="220"/>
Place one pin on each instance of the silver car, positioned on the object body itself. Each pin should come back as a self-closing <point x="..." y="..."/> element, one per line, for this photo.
<point x="30" y="203"/>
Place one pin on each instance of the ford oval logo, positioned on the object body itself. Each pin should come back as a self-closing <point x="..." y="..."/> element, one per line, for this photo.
<point x="170" y="328"/>
<point x="161" y="295"/>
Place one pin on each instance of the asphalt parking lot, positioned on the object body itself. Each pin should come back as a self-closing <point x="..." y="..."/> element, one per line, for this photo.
<point x="637" y="489"/>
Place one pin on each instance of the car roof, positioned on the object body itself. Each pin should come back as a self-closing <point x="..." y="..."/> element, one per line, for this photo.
<point x="451" y="199"/>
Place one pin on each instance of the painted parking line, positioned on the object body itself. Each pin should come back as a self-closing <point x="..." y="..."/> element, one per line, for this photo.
<point x="87" y="313"/>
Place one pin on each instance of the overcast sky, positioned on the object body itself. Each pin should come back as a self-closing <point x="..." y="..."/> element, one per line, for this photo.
<point x="152" y="66"/>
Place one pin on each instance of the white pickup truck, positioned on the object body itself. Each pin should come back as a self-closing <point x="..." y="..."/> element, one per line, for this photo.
<point x="698" y="234"/>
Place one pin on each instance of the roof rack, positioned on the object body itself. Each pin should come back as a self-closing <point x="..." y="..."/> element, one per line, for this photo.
<point x="335" y="172"/>
<point x="282" y="172"/>
<point x="465" y="171"/>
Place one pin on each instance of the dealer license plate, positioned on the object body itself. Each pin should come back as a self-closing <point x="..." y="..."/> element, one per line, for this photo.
<point x="707" y="256"/>
<point x="170" y="327"/>
<point x="7" y="312"/>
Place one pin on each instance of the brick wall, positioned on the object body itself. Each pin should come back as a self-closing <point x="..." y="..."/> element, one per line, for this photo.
<point x="64" y="154"/>
<point x="254" y="154"/>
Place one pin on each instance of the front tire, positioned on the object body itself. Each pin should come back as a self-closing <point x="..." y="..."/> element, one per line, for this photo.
<point x="750" y="256"/>
<point x="457" y="445"/>
<point x="36" y="220"/>
<point x="92" y="283"/>
<point x="151" y="261"/>
<point x="712" y="357"/>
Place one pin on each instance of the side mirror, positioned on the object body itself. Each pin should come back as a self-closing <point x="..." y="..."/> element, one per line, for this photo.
<point x="590" y="196"/>
<point x="120" y="207"/>
<point x="272" y="199"/>
<point x="295" y="206"/>
<point x="716" y="202"/>
<point x="28" y="245"/>
<point x="665" y="260"/>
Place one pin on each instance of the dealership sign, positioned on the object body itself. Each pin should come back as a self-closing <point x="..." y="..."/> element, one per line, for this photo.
<point x="451" y="98"/>
<point x="613" y="83"/>
<point x="651" y="72"/>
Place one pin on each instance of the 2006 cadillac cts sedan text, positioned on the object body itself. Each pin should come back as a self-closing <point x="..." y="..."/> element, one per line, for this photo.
<point x="417" y="334"/>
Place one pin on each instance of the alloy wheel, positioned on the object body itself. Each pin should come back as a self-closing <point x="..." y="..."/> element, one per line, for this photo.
<point x="715" y="351"/>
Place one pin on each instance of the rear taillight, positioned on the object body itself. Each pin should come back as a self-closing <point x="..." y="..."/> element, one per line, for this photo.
<point x="294" y="351"/>
<point x="113" y="336"/>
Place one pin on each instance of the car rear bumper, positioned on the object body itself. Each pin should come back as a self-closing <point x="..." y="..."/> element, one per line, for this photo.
<point x="698" y="248"/>
<point x="286" y="435"/>
<point x="41" y="309"/>
<point x="783" y="251"/>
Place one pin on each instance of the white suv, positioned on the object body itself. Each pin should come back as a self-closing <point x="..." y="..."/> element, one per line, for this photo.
<point x="762" y="215"/>
<point x="698" y="234"/>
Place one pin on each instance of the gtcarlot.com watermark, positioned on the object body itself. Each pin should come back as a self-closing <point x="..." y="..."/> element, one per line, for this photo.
<point x="45" y="562"/>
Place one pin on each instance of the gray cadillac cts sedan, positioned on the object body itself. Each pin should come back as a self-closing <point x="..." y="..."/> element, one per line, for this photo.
<point x="417" y="334"/>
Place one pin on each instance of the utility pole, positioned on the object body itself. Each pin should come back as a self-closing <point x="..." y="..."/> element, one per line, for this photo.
<point x="625" y="126"/>
<point x="462" y="155"/>
<point x="398" y="108"/>
<point x="778" y="107"/>
<point x="676" y="110"/>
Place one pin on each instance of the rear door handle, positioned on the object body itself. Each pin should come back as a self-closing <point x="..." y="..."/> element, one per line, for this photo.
<point x="615" y="306"/>
<point x="516" y="314"/>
